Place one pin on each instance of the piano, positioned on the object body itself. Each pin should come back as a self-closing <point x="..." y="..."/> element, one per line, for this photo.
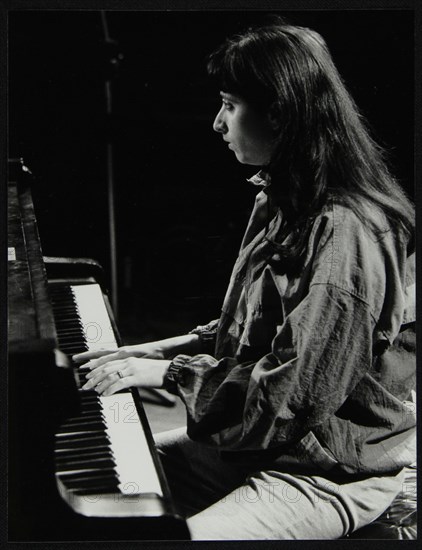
<point x="82" y="467"/>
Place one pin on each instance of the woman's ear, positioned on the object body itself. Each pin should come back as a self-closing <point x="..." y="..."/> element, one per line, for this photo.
<point x="274" y="117"/>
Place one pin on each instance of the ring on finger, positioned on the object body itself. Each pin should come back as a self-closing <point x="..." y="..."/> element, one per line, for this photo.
<point x="120" y="374"/>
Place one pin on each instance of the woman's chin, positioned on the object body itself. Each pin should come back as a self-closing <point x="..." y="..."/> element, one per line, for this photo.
<point x="244" y="159"/>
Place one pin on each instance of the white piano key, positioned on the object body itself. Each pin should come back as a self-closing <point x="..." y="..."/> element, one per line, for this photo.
<point x="94" y="317"/>
<point x="134" y="463"/>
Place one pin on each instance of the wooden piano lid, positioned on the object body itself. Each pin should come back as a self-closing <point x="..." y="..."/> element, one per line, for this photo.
<point x="30" y="316"/>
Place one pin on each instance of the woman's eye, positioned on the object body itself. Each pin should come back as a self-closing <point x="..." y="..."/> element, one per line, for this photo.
<point x="228" y="106"/>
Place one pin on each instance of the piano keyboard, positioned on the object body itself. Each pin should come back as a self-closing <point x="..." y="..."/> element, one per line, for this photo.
<point x="82" y="319"/>
<point x="103" y="463"/>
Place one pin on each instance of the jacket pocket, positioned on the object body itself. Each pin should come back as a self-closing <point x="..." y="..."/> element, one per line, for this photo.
<point x="316" y="453"/>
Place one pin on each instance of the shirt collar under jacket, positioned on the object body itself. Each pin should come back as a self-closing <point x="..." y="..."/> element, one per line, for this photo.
<point x="260" y="179"/>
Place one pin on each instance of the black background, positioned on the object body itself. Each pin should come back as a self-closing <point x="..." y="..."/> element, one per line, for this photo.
<point x="181" y="198"/>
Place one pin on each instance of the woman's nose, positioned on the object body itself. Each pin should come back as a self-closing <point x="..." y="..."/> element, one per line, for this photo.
<point x="219" y="125"/>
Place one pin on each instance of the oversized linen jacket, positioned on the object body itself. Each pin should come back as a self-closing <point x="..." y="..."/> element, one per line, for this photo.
<point x="311" y="370"/>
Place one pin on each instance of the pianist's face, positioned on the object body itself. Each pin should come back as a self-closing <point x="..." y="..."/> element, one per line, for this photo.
<point x="249" y="133"/>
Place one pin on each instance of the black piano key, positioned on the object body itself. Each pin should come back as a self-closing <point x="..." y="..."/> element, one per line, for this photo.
<point x="91" y="404"/>
<point x="68" y="305"/>
<point x="66" y="319"/>
<point x="87" y="434"/>
<point x="61" y="294"/>
<point x="69" y="331"/>
<point x="105" y="475"/>
<point x="78" y="341"/>
<point x="93" y="484"/>
<point x="94" y="464"/>
<point x="82" y="442"/>
<point x="73" y="334"/>
<point x="95" y="461"/>
<point x="83" y="436"/>
<point x="79" y="434"/>
<point x="66" y="316"/>
<point x="68" y="322"/>
<point x="65" y="311"/>
<point x="96" y="425"/>
<point x="76" y="454"/>
<point x="91" y="474"/>
<point x="103" y="450"/>
<point x="89" y="394"/>
<point x="89" y="397"/>
<point x="81" y="419"/>
<point x="83" y="416"/>
<point x="91" y="407"/>
<point x="85" y="456"/>
<point x="71" y="337"/>
<point x="75" y="342"/>
<point x="71" y="350"/>
<point x="73" y="427"/>
<point x="100" y="490"/>
<point x="60" y="305"/>
<point x="58" y="300"/>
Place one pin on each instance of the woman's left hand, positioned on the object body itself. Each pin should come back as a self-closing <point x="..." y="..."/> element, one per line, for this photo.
<point x="120" y="374"/>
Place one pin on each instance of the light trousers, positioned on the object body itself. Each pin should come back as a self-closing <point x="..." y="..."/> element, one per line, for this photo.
<point x="223" y="502"/>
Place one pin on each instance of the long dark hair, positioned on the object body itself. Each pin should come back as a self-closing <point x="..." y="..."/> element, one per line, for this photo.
<point x="324" y="146"/>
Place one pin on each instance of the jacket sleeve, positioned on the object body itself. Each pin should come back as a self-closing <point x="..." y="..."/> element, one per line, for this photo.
<point x="319" y="354"/>
<point x="207" y="336"/>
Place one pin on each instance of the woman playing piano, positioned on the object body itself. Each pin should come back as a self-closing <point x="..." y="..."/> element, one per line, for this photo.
<point x="297" y="425"/>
